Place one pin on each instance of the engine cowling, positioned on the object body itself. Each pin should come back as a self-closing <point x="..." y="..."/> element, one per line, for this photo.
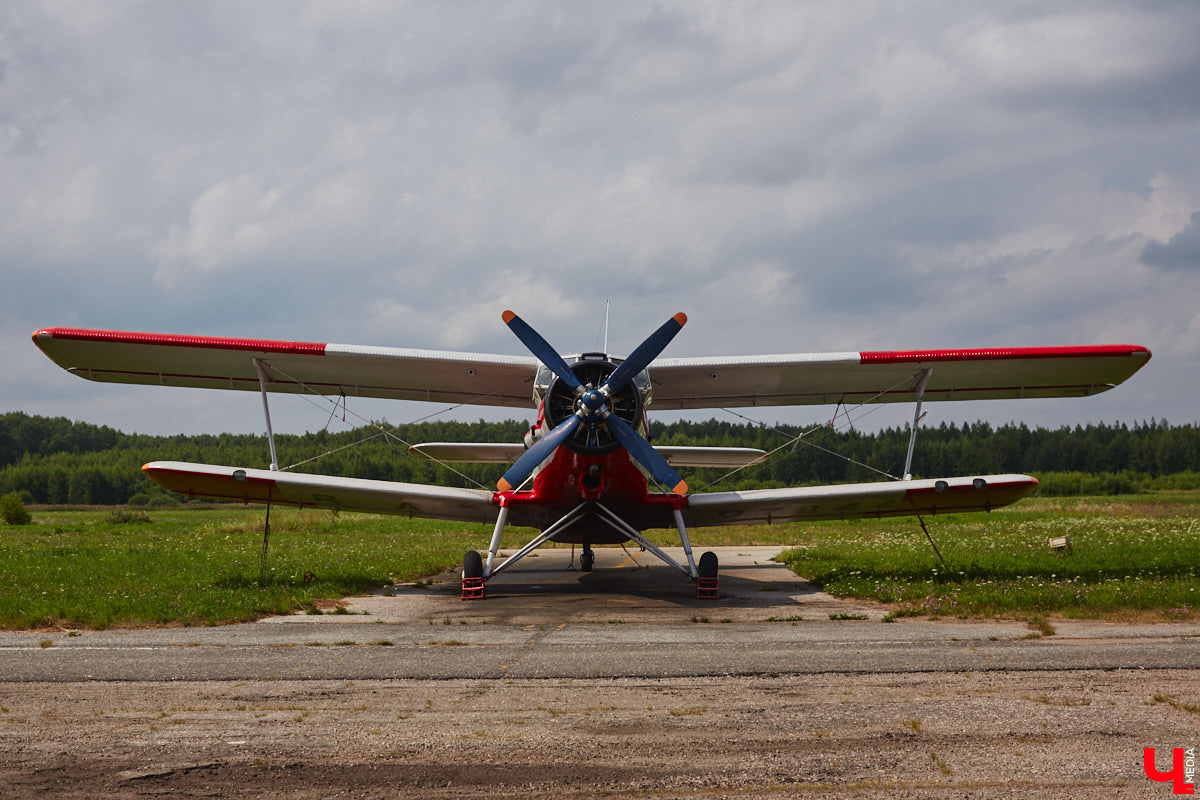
<point x="607" y="413"/>
<point x="592" y="437"/>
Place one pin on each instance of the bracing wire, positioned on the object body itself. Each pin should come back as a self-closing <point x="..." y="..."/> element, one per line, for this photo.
<point x="262" y="567"/>
<point x="363" y="440"/>
<point x="389" y="436"/>
<point x="921" y="520"/>
<point x="799" y="438"/>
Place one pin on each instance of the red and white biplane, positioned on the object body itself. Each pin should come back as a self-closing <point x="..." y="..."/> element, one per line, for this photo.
<point x="586" y="473"/>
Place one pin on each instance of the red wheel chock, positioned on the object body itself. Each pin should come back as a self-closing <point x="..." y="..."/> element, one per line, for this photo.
<point x="472" y="589"/>
<point x="706" y="589"/>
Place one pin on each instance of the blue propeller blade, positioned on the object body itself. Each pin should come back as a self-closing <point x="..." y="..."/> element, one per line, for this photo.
<point x="645" y="455"/>
<point x="540" y="451"/>
<point x="595" y="403"/>
<point x="646" y="352"/>
<point x="541" y="349"/>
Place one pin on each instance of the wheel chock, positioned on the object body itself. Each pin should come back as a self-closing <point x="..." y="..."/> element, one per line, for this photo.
<point x="473" y="589"/>
<point x="707" y="589"/>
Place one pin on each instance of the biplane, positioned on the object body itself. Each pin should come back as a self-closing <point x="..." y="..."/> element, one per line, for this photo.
<point x="586" y="473"/>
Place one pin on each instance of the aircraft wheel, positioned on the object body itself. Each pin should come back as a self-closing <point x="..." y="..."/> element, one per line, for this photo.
<point x="587" y="559"/>
<point x="472" y="565"/>
<point x="706" y="583"/>
<point x="472" y="577"/>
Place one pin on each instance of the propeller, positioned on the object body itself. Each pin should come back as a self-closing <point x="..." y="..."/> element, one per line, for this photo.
<point x="595" y="403"/>
<point x="541" y="349"/>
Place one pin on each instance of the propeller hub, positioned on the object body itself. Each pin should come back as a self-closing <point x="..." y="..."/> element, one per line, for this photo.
<point x="592" y="400"/>
<point x="592" y="437"/>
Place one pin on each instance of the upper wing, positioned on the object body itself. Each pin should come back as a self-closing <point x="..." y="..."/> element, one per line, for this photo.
<point x="888" y="377"/>
<point x="225" y="363"/>
<point x="857" y="500"/>
<point x="323" y="491"/>
<point x="483" y="379"/>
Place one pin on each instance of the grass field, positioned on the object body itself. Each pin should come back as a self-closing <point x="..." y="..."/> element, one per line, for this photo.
<point x="203" y="565"/>
<point x="1131" y="558"/>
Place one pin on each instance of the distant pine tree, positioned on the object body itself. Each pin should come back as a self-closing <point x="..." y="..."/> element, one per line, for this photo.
<point x="55" y="460"/>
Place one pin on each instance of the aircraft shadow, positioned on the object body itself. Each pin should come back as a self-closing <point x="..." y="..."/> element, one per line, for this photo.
<point x="662" y="585"/>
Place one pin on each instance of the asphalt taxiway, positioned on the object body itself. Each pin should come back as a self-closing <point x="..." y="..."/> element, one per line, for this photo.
<point x="631" y="617"/>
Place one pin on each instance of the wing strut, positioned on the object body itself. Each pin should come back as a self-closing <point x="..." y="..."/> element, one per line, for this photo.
<point x="262" y="385"/>
<point x="912" y="436"/>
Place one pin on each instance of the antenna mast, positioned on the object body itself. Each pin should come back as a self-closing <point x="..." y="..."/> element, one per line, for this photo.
<point x="606" y="305"/>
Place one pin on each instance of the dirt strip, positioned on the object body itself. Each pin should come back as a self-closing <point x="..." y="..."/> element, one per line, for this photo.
<point x="977" y="735"/>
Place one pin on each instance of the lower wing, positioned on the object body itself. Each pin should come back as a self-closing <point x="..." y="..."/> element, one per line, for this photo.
<point x="759" y="506"/>
<point x="857" y="500"/>
<point x="323" y="491"/>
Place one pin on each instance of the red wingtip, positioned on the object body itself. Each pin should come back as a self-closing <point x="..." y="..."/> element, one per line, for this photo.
<point x="681" y="318"/>
<point x="680" y="488"/>
<point x="503" y="485"/>
<point x="508" y="316"/>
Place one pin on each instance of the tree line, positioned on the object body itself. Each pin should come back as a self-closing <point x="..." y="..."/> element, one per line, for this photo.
<point x="59" y="461"/>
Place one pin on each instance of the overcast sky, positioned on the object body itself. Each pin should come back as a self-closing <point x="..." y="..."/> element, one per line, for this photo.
<point x="796" y="177"/>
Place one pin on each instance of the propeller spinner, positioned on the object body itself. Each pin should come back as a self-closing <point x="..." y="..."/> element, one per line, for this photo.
<point x="595" y="404"/>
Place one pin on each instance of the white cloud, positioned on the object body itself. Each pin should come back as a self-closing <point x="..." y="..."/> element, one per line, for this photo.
<point x="794" y="176"/>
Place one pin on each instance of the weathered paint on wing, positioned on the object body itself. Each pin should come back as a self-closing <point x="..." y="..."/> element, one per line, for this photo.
<point x="679" y="383"/>
<point x="857" y="500"/>
<point x="211" y="362"/>
<point x="891" y="377"/>
<point x="323" y="491"/>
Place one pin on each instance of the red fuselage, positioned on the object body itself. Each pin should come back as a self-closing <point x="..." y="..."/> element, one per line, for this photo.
<point x="611" y="479"/>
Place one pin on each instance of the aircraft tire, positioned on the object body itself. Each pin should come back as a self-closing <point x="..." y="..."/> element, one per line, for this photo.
<point x="587" y="559"/>
<point x="708" y="565"/>
<point x="472" y="565"/>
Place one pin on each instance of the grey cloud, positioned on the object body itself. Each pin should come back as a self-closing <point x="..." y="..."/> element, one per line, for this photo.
<point x="1106" y="63"/>
<point x="796" y="176"/>
<point x="1182" y="252"/>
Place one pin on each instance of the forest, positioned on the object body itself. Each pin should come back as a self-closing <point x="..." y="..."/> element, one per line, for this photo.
<point x="59" y="461"/>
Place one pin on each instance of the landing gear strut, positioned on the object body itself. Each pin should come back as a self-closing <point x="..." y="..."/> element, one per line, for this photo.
<point x="475" y="572"/>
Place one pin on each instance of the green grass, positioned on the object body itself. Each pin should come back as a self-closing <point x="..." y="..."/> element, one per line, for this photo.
<point x="201" y="566"/>
<point x="1131" y="557"/>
